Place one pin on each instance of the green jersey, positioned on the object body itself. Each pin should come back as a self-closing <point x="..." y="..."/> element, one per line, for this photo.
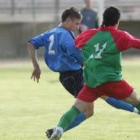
<point x="102" y="60"/>
<point x="102" y="54"/>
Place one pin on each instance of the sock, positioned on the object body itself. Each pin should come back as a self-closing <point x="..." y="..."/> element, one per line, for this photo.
<point x="138" y="106"/>
<point x="68" y="117"/>
<point x="119" y="104"/>
<point x="79" y="119"/>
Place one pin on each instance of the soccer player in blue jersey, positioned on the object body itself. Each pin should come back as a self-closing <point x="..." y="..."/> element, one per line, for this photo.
<point x="62" y="56"/>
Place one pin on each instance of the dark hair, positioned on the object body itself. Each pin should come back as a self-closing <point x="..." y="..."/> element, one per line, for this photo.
<point x="72" y="13"/>
<point x="111" y="16"/>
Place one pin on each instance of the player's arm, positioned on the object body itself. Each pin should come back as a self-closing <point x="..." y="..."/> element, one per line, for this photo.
<point x="33" y="55"/>
<point x="33" y="45"/>
<point x="128" y="41"/>
<point x="134" y="42"/>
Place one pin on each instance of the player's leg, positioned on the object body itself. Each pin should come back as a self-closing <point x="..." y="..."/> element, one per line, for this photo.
<point x="83" y="100"/>
<point x="133" y="99"/>
<point x="120" y="90"/>
<point x="78" y="84"/>
<point x="72" y="81"/>
<point x="119" y="104"/>
<point x="68" y="118"/>
<point x="88" y="112"/>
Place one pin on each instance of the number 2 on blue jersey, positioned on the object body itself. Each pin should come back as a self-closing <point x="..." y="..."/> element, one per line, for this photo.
<point x="51" y="51"/>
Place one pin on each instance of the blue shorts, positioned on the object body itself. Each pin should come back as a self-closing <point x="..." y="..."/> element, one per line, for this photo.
<point x="72" y="81"/>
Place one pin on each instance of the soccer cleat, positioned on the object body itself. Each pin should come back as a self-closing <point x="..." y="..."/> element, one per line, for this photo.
<point x="49" y="133"/>
<point x="56" y="135"/>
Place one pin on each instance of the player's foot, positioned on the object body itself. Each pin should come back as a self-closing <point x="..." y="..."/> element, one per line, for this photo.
<point x="57" y="133"/>
<point x="49" y="132"/>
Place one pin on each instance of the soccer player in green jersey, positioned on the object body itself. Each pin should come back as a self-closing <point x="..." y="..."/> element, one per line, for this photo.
<point x="101" y="49"/>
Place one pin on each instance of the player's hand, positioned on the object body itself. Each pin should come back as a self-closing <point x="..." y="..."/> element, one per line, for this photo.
<point x="36" y="74"/>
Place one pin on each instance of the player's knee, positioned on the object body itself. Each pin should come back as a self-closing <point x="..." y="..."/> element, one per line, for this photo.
<point x="89" y="113"/>
<point x="133" y="99"/>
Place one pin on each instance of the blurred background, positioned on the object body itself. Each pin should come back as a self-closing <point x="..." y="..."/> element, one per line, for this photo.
<point x="22" y="19"/>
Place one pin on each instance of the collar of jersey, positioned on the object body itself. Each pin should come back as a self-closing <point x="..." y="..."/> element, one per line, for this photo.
<point x="70" y="32"/>
<point x="106" y="28"/>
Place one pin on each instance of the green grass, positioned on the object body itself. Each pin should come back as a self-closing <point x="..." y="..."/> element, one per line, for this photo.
<point x="27" y="109"/>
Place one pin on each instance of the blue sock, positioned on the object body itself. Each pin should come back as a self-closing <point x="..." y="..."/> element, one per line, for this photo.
<point x="77" y="121"/>
<point x="119" y="104"/>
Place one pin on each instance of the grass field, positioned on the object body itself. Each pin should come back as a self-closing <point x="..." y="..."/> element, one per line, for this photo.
<point x="27" y="109"/>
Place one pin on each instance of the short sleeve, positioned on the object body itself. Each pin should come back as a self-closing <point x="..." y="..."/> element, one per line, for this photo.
<point x="37" y="41"/>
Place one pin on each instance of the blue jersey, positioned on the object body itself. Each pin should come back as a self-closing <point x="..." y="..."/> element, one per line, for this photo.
<point x="61" y="53"/>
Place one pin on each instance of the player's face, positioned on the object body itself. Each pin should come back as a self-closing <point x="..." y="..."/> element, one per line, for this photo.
<point x="74" y="24"/>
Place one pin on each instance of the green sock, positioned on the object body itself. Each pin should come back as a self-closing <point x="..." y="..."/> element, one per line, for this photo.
<point x="68" y="117"/>
<point x="138" y="106"/>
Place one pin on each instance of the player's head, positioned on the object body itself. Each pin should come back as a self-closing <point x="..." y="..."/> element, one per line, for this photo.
<point x="111" y="16"/>
<point x="71" y="18"/>
<point x="87" y="3"/>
